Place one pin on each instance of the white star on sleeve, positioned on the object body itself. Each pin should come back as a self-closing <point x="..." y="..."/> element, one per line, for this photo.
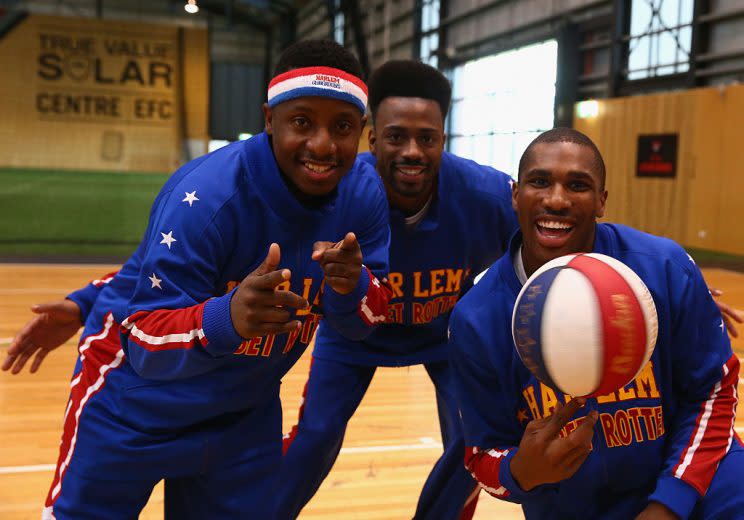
<point x="190" y="197"/>
<point x="168" y="238"/>
<point x="155" y="281"/>
<point x="722" y="326"/>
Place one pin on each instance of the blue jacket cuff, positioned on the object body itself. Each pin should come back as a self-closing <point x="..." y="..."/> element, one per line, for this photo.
<point x="217" y="324"/>
<point x="675" y="494"/>
<point x="516" y="493"/>
<point x="346" y="303"/>
<point x="84" y="298"/>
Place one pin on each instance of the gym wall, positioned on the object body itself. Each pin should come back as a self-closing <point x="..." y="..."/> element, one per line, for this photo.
<point x="700" y="207"/>
<point x="102" y="95"/>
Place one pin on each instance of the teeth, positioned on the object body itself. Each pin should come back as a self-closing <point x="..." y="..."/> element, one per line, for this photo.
<point x="318" y="168"/>
<point x="410" y="171"/>
<point x="553" y="225"/>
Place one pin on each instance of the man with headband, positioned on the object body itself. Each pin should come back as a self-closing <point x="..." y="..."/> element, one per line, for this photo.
<point x="183" y="349"/>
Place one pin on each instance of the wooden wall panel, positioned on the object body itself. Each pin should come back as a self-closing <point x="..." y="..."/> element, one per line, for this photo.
<point x="698" y="206"/>
<point x="196" y="85"/>
<point x="729" y="234"/>
<point x="705" y="191"/>
<point x="122" y="79"/>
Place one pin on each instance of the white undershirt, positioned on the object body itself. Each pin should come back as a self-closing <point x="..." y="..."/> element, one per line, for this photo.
<point x="519" y="266"/>
<point x="414" y="220"/>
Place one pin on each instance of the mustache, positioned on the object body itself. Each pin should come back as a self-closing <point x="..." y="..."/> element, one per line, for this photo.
<point x="409" y="163"/>
<point x="321" y="160"/>
<point x="553" y="213"/>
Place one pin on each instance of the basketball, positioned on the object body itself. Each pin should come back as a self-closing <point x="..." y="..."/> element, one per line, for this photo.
<point x="585" y="324"/>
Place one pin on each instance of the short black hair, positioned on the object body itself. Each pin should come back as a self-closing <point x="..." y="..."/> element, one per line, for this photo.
<point x="408" y="78"/>
<point x="318" y="53"/>
<point x="565" y="135"/>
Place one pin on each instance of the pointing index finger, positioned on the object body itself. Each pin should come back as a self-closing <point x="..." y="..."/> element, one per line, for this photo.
<point x="349" y="243"/>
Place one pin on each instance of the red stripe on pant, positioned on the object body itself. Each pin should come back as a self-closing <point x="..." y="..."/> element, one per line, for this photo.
<point x="289" y="437"/>
<point x="103" y="353"/>
<point x="468" y="509"/>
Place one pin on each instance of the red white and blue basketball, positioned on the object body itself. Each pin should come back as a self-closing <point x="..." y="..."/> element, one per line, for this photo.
<point x="585" y="324"/>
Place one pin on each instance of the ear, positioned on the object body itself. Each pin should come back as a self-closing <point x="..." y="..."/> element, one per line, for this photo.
<point x="515" y="193"/>
<point x="602" y="202"/>
<point x="372" y="140"/>
<point x="267" y="118"/>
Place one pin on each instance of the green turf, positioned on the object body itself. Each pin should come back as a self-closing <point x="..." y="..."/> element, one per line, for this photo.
<point x="48" y="214"/>
<point x="76" y="215"/>
<point x="708" y="258"/>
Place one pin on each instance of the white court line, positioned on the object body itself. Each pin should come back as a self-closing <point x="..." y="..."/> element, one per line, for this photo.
<point x="60" y="265"/>
<point x="396" y="447"/>
<point x="428" y="444"/>
<point x="37" y="290"/>
<point x="26" y="469"/>
<point x="5" y="341"/>
<point x="6" y="470"/>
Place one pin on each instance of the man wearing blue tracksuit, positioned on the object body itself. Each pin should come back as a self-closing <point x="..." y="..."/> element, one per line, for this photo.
<point x="450" y="218"/>
<point x="662" y="447"/>
<point x="183" y="351"/>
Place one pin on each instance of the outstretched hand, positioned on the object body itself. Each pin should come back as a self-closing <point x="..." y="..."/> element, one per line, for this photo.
<point x="341" y="262"/>
<point x="258" y="307"/>
<point x="54" y="324"/>
<point x="544" y="457"/>
<point x="729" y="314"/>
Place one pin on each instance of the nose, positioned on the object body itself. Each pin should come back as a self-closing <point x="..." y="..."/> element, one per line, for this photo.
<point x="321" y="144"/>
<point x="412" y="152"/>
<point x="557" y="198"/>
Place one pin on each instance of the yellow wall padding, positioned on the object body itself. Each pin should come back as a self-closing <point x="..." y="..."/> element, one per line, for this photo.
<point x="703" y="206"/>
<point x="101" y="94"/>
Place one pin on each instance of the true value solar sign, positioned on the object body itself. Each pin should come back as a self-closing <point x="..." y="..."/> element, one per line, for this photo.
<point x="104" y="75"/>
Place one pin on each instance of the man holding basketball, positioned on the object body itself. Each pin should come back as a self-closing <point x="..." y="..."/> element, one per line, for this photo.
<point x="662" y="447"/>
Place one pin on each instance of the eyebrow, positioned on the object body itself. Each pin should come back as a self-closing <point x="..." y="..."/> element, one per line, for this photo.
<point x="308" y="109"/>
<point x="302" y="108"/>
<point x="581" y="174"/>
<point x="537" y="172"/>
<point x="573" y="173"/>
<point x="405" y="129"/>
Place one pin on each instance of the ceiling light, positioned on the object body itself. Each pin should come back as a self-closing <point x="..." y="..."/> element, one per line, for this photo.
<point x="587" y="109"/>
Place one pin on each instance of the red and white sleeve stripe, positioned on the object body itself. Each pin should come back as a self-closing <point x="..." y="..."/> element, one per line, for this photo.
<point x="373" y="308"/>
<point x="104" y="280"/>
<point x="167" y="329"/>
<point x="484" y="466"/>
<point x="713" y="433"/>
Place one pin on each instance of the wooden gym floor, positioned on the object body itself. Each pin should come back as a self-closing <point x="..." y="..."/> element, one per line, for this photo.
<point x="391" y="443"/>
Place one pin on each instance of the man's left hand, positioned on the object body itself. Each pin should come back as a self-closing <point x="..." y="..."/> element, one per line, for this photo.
<point x="341" y="262"/>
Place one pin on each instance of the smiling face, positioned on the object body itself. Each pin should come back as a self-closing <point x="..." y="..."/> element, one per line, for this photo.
<point x="315" y="142"/>
<point x="408" y="140"/>
<point x="558" y="198"/>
